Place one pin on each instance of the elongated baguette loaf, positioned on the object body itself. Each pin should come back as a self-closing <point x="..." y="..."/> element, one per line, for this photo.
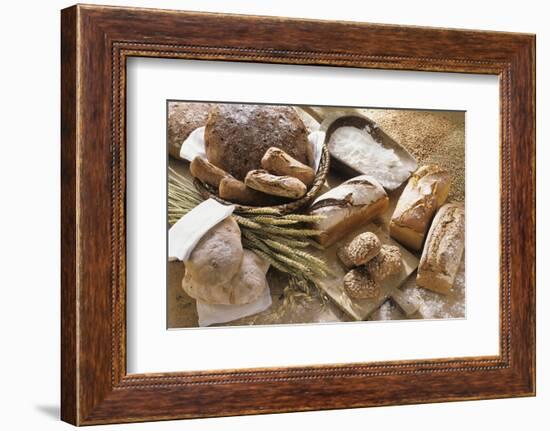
<point x="443" y="249"/>
<point x="353" y="203"/>
<point x="425" y="192"/>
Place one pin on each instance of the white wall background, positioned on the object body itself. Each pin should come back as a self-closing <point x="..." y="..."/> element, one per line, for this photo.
<point x="29" y="214"/>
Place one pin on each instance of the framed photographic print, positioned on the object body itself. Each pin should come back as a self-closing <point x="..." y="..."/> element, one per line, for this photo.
<point x="286" y="220"/>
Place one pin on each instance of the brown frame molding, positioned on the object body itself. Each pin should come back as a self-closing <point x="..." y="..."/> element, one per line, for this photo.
<point x="95" y="43"/>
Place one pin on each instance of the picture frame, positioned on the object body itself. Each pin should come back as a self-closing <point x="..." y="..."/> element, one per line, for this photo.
<point x="96" y="41"/>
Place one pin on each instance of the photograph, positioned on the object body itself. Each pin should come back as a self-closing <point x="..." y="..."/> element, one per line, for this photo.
<point x="300" y="214"/>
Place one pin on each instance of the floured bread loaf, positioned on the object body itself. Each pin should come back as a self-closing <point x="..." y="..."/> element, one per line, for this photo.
<point x="237" y="136"/>
<point x="425" y="192"/>
<point x="183" y="118"/>
<point x="443" y="249"/>
<point x="217" y="256"/>
<point x="353" y="203"/>
<point x="244" y="287"/>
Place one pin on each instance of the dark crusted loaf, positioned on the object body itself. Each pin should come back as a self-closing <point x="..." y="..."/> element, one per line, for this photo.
<point x="183" y="118"/>
<point x="237" y="136"/>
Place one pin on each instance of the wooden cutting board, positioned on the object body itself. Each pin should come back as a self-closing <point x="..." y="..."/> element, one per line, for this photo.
<point x="361" y="309"/>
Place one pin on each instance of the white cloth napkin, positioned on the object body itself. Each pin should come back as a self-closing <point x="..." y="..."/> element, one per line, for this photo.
<point x="184" y="235"/>
<point x="210" y="314"/>
<point x="194" y="146"/>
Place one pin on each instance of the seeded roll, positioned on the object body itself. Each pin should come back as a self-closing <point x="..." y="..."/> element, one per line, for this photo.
<point x="359" y="284"/>
<point x="360" y="250"/>
<point x="385" y="263"/>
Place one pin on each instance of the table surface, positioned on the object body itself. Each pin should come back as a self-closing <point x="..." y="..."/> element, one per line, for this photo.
<point x="431" y="137"/>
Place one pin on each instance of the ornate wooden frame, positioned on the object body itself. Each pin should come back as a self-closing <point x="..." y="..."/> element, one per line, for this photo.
<point x="96" y="41"/>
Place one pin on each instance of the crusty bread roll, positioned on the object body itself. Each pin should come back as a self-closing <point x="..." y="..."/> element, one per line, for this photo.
<point x="388" y="262"/>
<point x="244" y="287"/>
<point x="206" y="172"/>
<point x="233" y="190"/>
<point x="425" y="192"/>
<point x="278" y="162"/>
<point x="217" y="256"/>
<point x="359" y="284"/>
<point x="283" y="186"/>
<point x="353" y="203"/>
<point x="183" y="118"/>
<point x="359" y="250"/>
<point x="443" y="249"/>
<point x="237" y="136"/>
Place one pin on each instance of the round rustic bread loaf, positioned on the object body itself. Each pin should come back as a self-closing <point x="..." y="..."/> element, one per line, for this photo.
<point x="244" y="287"/>
<point x="237" y="136"/>
<point x="217" y="256"/>
<point x="183" y="118"/>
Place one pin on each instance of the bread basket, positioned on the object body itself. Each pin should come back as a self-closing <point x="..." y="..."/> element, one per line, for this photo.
<point x="207" y="191"/>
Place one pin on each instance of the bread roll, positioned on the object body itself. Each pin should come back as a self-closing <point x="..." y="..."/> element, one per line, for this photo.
<point x="237" y="136"/>
<point x="243" y="288"/>
<point x="277" y="162"/>
<point x="353" y="203"/>
<point x="443" y="249"/>
<point x="360" y="250"/>
<point x="217" y="256"/>
<point x="387" y="262"/>
<point x="284" y="186"/>
<point x="358" y="284"/>
<point x="425" y="192"/>
<point x="206" y="172"/>
<point x="236" y="191"/>
<point x="183" y="118"/>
